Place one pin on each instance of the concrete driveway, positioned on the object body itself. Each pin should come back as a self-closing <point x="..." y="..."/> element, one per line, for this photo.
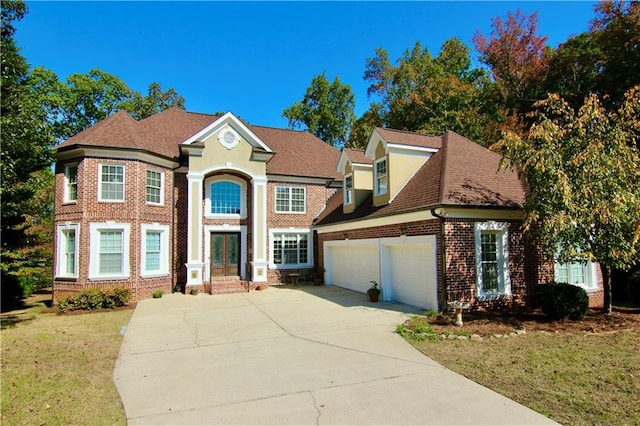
<point x="303" y="356"/>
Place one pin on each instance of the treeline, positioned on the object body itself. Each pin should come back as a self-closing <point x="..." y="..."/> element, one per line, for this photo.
<point x="38" y="111"/>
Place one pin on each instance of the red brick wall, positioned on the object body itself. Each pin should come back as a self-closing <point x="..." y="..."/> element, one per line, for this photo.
<point x="134" y="211"/>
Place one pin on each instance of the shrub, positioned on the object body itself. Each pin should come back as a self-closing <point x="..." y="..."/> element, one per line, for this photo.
<point x="116" y="296"/>
<point x="93" y="298"/>
<point x="560" y="300"/>
<point x="633" y="288"/>
<point x="157" y="294"/>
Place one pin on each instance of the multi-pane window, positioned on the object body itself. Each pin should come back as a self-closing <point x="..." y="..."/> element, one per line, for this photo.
<point x="154" y="187"/>
<point x="290" y="199"/>
<point x="489" y="265"/>
<point x="71" y="177"/>
<point x="348" y="189"/>
<point x="111" y="252"/>
<point x="492" y="259"/>
<point x="290" y="249"/>
<point x="152" y="251"/>
<point x="225" y="198"/>
<point x="578" y="273"/>
<point x="67" y="251"/>
<point x="111" y="182"/>
<point x="381" y="177"/>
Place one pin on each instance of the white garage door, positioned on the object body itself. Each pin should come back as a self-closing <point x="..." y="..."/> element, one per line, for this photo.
<point x="412" y="275"/>
<point x="353" y="267"/>
<point x="408" y="272"/>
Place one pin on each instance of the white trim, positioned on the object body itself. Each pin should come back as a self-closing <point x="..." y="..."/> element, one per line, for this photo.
<point x="589" y="271"/>
<point x="375" y="176"/>
<point x="394" y="219"/>
<point x="346" y="191"/>
<point x="228" y="130"/>
<point x="295" y="231"/>
<point x="124" y="182"/>
<point x="164" y="249"/>
<point x="208" y="229"/>
<point x="94" y="248"/>
<point x="150" y="203"/>
<point x="290" y="211"/>
<point x="243" y="196"/>
<point x="298" y="179"/>
<point x="230" y="120"/>
<point x="194" y="260"/>
<point x="67" y="167"/>
<point x="504" y="279"/>
<point x="61" y="251"/>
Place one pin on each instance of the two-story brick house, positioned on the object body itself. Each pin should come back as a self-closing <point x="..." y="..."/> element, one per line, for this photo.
<point x="186" y="199"/>
<point x="194" y="200"/>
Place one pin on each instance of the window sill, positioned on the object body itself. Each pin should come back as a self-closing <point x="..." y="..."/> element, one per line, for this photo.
<point x="67" y="279"/>
<point x="155" y="275"/>
<point x="112" y="201"/>
<point x="277" y="212"/>
<point x="298" y="266"/>
<point x="109" y="277"/>
<point x="224" y="216"/>
<point x="69" y="203"/>
<point x="155" y="204"/>
<point x="489" y="297"/>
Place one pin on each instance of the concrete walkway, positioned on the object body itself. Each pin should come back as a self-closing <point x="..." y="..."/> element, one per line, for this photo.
<point x="304" y="356"/>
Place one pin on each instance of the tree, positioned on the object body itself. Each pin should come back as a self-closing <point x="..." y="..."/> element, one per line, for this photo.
<point x="583" y="174"/>
<point x="326" y="110"/>
<point x="156" y="101"/>
<point x="361" y="129"/>
<point x="518" y="59"/>
<point x="26" y="150"/>
<point x="432" y="94"/>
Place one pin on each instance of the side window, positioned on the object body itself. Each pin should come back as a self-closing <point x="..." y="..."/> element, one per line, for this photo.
<point x="380" y="171"/>
<point x="154" y="257"/>
<point x="67" y="251"/>
<point x="154" y="187"/>
<point x="111" y="182"/>
<point x="348" y="189"/>
<point x="290" y="199"/>
<point x="71" y="183"/>
<point x="492" y="259"/>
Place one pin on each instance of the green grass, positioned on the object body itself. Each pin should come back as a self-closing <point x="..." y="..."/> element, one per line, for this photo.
<point x="57" y="369"/>
<point x="572" y="378"/>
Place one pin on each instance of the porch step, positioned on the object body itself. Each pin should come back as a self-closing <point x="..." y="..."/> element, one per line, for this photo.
<point x="228" y="286"/>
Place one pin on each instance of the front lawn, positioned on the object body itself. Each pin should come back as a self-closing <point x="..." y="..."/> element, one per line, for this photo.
<point x="574" y="372"/>
<point x="57" y="369"/>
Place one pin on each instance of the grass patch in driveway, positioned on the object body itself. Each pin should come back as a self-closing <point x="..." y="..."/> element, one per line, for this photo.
<point x="571" y="375"/>
<point x="58" y="369"/>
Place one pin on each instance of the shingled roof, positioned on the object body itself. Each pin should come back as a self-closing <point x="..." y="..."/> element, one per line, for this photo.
<point x="402" y="137"/>
<point x="462" y="173"/>
<point x="298" y="153"/>
<point x="357" y="156"/>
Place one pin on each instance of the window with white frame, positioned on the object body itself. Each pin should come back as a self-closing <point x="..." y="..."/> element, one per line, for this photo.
<point x="109" y="250"/>
<point x="291" y="248"/>
<point x="581" y="274"/>
<point x="154" y="187"/>
<point x="380" y="178"/>
<point x="111" y="182"/>
<point x="348" y="189"/>
<point x="290" y="199"/>
<point x="67" y="259"/>
<point x="492" y="259"/>
<point x="71" y="183"/>
<point x="154" y="250"/>
<point x="225" y="196"/>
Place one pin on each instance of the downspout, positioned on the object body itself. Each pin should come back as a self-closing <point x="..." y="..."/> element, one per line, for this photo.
<point x="443" y="262"/>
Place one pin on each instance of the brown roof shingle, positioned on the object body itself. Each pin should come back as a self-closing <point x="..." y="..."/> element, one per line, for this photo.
<point x="357" y="156"/>
<point x="461" y="173"/>
<point x="403" y="137"/>
<point x="298" y="153"/>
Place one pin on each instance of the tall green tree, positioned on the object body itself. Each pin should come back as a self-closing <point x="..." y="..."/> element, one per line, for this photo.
<point x="326" y="110"/>
<point x="26" y="151"/>
<point x="431" y="94"/>
<point x="583" y="174"/>
<point x="154" y="102"/>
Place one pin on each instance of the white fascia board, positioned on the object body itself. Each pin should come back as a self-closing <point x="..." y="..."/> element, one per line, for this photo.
<point x="297" y="179"/>
<point x="397" y="148"/>
<point x="375" y="137"/>
<point x="118" y="154"/>
<point x="480" y="213"/>
<point x="236" y="124"/>
<point x="378" y="221"/>
<point x="343" y="161"/>
<point x="361" y="166"/>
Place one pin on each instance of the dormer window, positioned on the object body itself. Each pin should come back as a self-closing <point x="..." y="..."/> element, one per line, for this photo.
<point x="348" y="189"/>
<point x="380" y="176"/>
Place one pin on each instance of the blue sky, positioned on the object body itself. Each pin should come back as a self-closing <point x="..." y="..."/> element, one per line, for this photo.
<point x="257" y="58"/>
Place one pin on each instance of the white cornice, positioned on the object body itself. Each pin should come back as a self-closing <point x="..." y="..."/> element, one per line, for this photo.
<point x="120" y="154"/>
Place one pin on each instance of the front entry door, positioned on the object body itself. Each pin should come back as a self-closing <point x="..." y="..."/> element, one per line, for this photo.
<point x="225" y="254"/>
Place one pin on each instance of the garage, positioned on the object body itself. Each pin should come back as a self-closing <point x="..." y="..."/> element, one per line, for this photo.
<point x="405" y="267"/>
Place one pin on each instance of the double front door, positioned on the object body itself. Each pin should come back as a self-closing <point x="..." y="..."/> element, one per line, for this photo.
<point x="225" y="254"/>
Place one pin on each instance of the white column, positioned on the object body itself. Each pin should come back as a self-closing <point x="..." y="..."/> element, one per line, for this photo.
<point x="260" y="250"/>
<point x="195" y="265"/>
